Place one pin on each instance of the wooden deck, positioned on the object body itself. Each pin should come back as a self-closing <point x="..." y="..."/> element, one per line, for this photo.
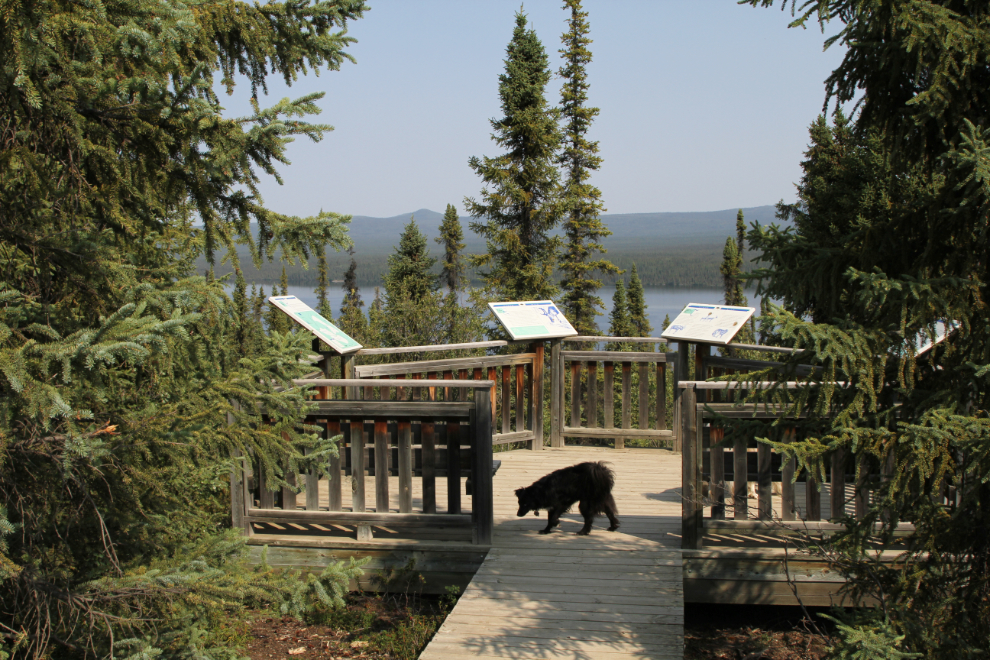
<point x="609" y="595"/>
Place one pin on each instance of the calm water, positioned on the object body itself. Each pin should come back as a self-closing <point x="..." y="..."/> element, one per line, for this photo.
<point x="660" y="301"/>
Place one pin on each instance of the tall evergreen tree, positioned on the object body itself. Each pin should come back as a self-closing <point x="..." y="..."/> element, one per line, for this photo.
<point x="519" y="205"/>
<point x="619" y="317"/>
<point x="579" y="158"/>
<point x="259" y="304"/>
<point x="451" y="238"/>
<point x="889" y="242"/>
<point x="352" y="294"/>
<point x="122" y="392"/>
<point x="323" y="286"/>
<point x="410" y="267"/>
<point x="732" y="263"/>
<point x="639" y="322"/>
<point x="741" y="237"/>
<point x="731" y="292"/>
<point x="352" y="319"/>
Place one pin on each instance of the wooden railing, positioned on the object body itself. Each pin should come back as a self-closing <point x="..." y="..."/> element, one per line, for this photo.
<point x="708" y="468"/>
<point x="577" y="416"/>
<point x="426" y="439"/>
<point x="516" y="398"/>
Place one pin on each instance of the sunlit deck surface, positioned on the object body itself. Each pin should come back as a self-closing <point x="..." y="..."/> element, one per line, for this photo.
<point x="608" y="595"/>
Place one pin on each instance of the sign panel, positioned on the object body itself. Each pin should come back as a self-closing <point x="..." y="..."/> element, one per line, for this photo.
<point x="532" y="319"/>
<point x="711" y="324"/>
<point x="310" y="319"/>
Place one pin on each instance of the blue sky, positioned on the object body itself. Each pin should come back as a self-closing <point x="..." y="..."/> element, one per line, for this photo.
<point x="705" y="105"/>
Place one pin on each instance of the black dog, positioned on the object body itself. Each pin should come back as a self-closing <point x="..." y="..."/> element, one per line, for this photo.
<point x="589" y="483"/>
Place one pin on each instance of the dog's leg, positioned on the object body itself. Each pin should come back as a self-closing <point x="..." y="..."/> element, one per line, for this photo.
<point x="553" y="519"/>
<point x="589" y="518"/>
<point x="610" y="511"/>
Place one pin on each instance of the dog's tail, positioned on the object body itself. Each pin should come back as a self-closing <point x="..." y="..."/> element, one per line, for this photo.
<point x="602" y="480"/>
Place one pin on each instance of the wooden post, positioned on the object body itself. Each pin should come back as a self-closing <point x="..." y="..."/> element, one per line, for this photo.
<point x="506" y="398"/>
<point x="427" y="430"/>
<point x="357" y="474"/>
<point x="266" y="497"/>
<point x="288" y="490"/>
<point x="575" y="393"/>
<point x="536" y="395"/>
<point x="717" y="469"/>
<point x="334" y="485"/>
<point x="620" y="443"/>
<point x="237" y="491"/>
<point x="680" y="373"/>
<point x="492" y="394"/>
<point x="764" y="480"/>
<point x="520" y="397"/>
<point x="482" y="502"/>
<point x="609" y="395"/>
<point x="313" y="475"/>
<point x="404" y="429"/>
<point x="740" y="478"/>
<point x="347" y="371"/>
<point x="661" y="396"/>
<point x="556" y="394"/>
<point x="692" y="524"/>
<point x="453" y="433"/>
<point x="592" y="405"/>
<point x="381" y="466"/>
<point x="238" y="484"/>
<point x="644" y="395"/>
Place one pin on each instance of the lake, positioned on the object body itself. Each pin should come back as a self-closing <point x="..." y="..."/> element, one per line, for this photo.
<point x="660" y="301"/>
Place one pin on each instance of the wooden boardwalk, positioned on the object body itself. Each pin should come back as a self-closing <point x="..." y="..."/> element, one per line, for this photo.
<point x="609" y="595"/>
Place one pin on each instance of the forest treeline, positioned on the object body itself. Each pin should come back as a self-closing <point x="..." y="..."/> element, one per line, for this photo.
<point x="685" y="265"/>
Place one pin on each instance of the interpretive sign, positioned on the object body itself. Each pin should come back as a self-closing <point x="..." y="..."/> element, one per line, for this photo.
<point x="310" y="319"/>
<point x="533" y="319"/>
<point x="711" y="324"/>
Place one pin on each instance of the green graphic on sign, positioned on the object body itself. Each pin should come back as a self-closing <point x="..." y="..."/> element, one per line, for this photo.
<point x="310" y="319"/>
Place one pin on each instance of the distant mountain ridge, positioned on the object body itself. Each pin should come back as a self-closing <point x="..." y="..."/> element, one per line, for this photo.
<point x="679" y="249"/>
<point x="634" y="230"/>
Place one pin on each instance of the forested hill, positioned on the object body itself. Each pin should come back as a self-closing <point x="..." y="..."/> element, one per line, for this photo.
<point x="670" y="249"/>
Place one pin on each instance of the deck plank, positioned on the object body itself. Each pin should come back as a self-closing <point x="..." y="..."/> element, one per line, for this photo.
<point x="610" y="595"/>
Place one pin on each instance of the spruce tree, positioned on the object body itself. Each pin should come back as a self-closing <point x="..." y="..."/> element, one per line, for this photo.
<point x="579" y="157"/>
<point x="451" y="238"/>
<point x="123" y="393"/>
<point x="728" y="269"/>
<point x="639" y="322"/>
<point x="352" y="319"/>
<point x="519" y="205"/>
<point x="352" y="294"/>
<point x="889" y="242"/>
<point x="619" y="317"/>
<point x="323" y="286"/>
<point x="410" y="267"/>
<point x="741" y="238"/>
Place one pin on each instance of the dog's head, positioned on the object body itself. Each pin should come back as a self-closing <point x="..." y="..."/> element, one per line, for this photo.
<point x="526" y="502"/>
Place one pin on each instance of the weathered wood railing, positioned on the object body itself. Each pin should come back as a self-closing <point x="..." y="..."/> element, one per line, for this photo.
<point x="426" y="439"/>
<point x="709" y="466"/>
<point x="577" y="416"/>
<point x="516" y="398"/>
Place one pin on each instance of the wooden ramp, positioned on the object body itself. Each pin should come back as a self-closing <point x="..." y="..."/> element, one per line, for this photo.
<point x="607" y="596"/>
